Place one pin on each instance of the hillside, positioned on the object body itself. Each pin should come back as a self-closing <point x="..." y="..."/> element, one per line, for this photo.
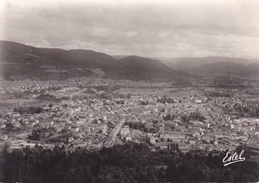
<point x="135" y="67"/>
<point x="19" y="61"/>
<point x="188" y="63"/>
<point x="224" y="68"/>
<point x="254" y="67"/>
<point x="118" y="57"/>
<point x="22" y="61"/>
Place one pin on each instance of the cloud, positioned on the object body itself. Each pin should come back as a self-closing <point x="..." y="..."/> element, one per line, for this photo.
<point x="145" y="28"/>
<point x="132" y="33"/>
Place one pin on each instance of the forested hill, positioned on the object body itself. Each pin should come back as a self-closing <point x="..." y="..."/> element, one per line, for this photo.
<point x="135" y="67"/>
<point x="19" y="61"/>
<point x="122" y="163"/>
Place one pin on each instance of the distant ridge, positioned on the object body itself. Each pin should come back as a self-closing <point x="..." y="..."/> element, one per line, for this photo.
<point x="254" y="68"/>
<point x="19" y="61"/>
<point x="188" y="63"/>
<point x="226" y="68"/>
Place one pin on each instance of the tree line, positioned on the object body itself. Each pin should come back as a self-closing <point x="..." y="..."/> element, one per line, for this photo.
<point x="121" y="163"/>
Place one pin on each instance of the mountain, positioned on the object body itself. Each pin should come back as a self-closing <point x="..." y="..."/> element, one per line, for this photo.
<point x="224" y="68"/>
<point x="136" y="67"/>
<point x="118" y="57"/>
<point x="254" y="67"/>
<point x="188" y="63"/>
<point x="19" y="61"/>
<point x="22" y="61"/>
<point x="169" y="64"/>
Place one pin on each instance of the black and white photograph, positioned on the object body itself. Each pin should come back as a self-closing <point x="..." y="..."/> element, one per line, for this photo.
<point x="134" y="91"/>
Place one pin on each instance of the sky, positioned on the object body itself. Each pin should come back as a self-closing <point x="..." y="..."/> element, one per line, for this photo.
<point x="149" y="28"/>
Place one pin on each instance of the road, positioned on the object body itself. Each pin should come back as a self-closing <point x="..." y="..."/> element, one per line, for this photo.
<point x="111" y="143"/>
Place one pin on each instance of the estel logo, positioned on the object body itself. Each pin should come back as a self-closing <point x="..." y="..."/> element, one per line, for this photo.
<point x="233" y="158"/>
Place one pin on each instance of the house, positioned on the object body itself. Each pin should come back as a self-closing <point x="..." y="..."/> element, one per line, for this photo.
<point x="192" y="141"/>
<point x="16" y="115"/>
<point x="153" y="140"/>
<point x="183" y="147"/>
<point x="172" y="135"/>
<point x="3" y="125"/>
<point x="4" y="137"/>
<point x="198" y="101"/>
<point x="128" y="138"/>
<point x="125" y="130"/>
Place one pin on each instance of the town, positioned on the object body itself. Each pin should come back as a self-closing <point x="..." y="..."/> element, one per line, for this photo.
<point x="95" y="112"/>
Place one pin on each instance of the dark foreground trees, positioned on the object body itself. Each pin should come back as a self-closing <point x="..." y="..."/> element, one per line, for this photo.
<point x="127" y="163"/>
